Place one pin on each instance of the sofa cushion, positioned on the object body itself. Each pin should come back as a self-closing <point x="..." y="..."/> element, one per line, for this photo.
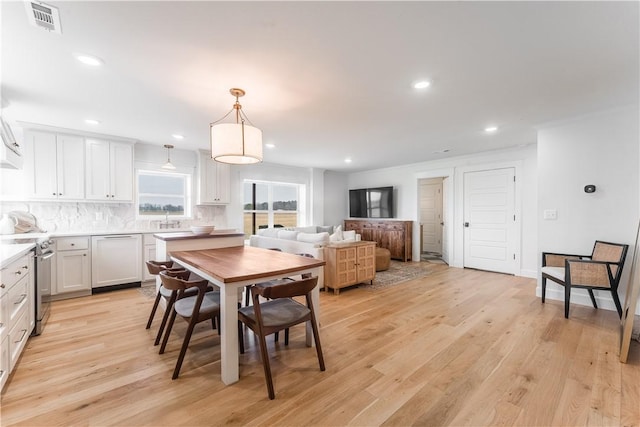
<point x="268" y="232"/>
<point x="287" y="234"/>
<point x="321" y="238"/>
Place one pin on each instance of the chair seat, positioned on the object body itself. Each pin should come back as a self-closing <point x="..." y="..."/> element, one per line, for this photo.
<point x="210" y="304"/>
<point x="277" y="312"/>
<point x="555" y="272"/>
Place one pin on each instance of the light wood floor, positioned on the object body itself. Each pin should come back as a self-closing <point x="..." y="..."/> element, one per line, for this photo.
<point x="459" y="347"/>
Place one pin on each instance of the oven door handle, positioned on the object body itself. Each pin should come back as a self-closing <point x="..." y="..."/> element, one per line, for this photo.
<point x="47" y="256"/>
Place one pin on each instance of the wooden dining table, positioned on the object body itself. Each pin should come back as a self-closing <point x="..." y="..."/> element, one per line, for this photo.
<point x="233" y="268"/>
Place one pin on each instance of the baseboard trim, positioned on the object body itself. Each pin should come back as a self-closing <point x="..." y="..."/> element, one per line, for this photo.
<point x="579" y="296"/>
<point x="532" y="274"/>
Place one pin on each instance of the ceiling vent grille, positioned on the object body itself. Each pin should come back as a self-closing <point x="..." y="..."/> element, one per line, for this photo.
<point x="44" y="16"/>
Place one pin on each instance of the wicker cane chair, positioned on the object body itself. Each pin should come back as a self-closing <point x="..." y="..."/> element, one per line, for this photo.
<point x="599" y="271"/>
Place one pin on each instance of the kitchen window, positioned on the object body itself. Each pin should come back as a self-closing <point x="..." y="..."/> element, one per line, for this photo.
<point x="163" y="194"/>
<point x="271" y="204"/>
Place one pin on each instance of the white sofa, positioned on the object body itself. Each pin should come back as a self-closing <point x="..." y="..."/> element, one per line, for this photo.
<point x="302" y="240"/>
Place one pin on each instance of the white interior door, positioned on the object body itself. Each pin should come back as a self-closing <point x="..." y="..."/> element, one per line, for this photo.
<point x="431" y="215"/>
<point x="489" y="220"/>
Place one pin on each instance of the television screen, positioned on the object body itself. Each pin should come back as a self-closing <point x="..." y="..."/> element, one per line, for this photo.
<point x="358" y="203"/>
<point x="371" y="203"/>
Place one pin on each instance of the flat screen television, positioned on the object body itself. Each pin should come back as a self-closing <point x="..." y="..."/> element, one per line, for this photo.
<point x="371" y="202"/>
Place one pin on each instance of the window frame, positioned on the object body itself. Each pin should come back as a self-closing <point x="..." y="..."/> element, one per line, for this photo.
<point x="187" y="193"/>
<point x="300" y="190"/>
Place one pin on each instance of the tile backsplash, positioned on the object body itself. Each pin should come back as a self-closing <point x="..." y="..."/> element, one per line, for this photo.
<point x="81" y="216"/>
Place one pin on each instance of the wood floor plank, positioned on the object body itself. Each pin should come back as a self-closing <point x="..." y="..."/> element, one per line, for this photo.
<point x="457" y="347"/>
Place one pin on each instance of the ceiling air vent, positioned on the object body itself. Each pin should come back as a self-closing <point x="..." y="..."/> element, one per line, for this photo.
<point x="44" y="16"/>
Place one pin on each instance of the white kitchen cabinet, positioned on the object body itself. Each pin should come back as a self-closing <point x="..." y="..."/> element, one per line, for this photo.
<point x="73" y="266"/>
<point x="16" y="302"/>
<point x="55" y="166"/>
<point x="149" y="254"/>
<point x="4" y="361"/>
<point x="214" y="181"/>
<point x="116" y="260"/>
<point x="109" y="170"/>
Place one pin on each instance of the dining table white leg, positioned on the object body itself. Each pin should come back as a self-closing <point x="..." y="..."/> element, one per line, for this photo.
<point x="315" y="301"/>
<point x="229" y="358"/>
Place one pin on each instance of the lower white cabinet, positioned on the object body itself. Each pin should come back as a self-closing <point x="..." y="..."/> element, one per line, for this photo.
<point x="4" y="361"/>
<point x="116" y="259"/>
<point x="148" y="254"/>
<point x="73" y="266"/>
<point x="16" y="304"/>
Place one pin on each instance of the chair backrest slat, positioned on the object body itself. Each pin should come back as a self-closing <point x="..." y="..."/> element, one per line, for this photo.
<point x="287" y="289"/>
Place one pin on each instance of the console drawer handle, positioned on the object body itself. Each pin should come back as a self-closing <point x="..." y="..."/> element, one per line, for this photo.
<point x="22" y="298"/>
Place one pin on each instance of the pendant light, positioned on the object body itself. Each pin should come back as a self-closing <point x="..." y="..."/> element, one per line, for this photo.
<point x="236" y="143"/>
<point x="168" y="165"/>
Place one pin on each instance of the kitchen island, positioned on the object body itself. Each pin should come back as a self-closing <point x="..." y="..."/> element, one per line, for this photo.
<point x="188" y="241"/>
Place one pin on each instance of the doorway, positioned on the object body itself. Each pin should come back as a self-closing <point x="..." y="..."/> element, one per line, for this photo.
<point x="431" y="208"/>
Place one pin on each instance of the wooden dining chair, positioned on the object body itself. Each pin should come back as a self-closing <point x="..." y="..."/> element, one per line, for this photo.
<point x="205" y="305"/>
<point x="279" y="312"/>
<point x="154" y="268"/>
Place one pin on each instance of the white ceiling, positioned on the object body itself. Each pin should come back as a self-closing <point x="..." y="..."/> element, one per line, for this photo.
<point x="324" y="80"/>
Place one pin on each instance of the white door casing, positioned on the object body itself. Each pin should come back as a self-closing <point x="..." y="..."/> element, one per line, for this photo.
<point x="489" y="231"/>
<point x="431" y="219"/>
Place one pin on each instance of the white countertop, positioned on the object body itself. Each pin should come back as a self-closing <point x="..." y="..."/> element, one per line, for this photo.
<point x="72" y="233"/>
<point x="10" y="253"/>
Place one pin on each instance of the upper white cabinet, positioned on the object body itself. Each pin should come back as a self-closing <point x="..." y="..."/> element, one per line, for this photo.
<point x="109" y="170"/>
<point x="215" y="181"/>
<point x="55" y="166"/>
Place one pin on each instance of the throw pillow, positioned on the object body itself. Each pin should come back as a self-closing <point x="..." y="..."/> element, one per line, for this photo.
<point x="325" y="229"/>
<point x="337" y="235"/>
<point x="349" y="235"/>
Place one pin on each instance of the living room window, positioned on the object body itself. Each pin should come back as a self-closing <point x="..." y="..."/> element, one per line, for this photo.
<point x="163" y="194"/>
<point x="271" y="204"/>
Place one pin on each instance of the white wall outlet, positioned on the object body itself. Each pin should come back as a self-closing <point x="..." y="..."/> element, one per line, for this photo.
<point x="99" y="216"/>
<point x="550" y="214"/>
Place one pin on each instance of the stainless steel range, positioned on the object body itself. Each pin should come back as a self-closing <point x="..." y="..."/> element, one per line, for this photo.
<point x="44" y="259"/>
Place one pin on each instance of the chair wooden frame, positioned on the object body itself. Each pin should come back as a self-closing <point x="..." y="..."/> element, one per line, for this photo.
<point x="180" y="285"/>
<point x="280" y="298"/>
<point x="154" y="268"/>
<point x="601" y="270"/>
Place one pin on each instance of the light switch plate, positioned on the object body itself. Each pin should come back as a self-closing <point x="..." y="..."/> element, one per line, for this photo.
<point x="550" y="214"/>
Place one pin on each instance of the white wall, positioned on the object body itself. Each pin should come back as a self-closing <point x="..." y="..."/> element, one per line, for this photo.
<point x="336" y="197"/>
<point x="405" y="180"/>
<point x="602" y="150"/>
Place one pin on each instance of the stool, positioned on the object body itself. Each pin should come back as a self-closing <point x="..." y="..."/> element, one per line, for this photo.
<point x="383" y="259"/>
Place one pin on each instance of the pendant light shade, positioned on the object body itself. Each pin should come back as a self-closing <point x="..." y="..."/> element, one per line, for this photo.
<point x="168" y="165"/>
<point x="236" y="143"/>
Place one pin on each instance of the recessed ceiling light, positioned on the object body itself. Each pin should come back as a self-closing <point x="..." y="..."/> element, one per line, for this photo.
<point x="177" y="136"/>
<point x="89" y="60"/>
<point x="347" y="160"/>
<point x="422" y="85"/>
<point x="270" y="145"/>
<point x="92" y="122"/>
<point x="491" y="128"/>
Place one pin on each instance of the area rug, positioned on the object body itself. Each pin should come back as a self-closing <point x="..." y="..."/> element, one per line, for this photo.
<point x="148" y="291"/>
<point x="398" y="272"/>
